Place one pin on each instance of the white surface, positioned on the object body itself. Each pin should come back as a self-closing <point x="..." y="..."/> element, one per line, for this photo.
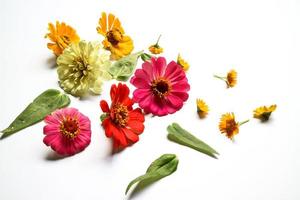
<point x="259" y="38"/>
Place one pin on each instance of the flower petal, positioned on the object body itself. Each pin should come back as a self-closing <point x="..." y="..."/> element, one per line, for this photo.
<point x="104" y="106"/>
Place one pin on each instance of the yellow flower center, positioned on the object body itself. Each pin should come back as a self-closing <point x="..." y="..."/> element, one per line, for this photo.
<point x="160" y="87"/>
<point x="119" y="114"/>
<point x="69" y="128"/>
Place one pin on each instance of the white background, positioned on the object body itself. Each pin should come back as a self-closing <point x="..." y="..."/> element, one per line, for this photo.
<point x="258" y="38"/>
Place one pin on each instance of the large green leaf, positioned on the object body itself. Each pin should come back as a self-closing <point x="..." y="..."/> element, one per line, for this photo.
<point x="123" y="68"/>
<point x="43" y="105"/>
<point x="181" y="136"/>
<point x="160" y="168"/>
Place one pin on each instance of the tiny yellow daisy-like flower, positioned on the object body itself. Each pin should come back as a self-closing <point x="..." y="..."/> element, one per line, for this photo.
<point x="202" y="108"/>
<point x="263" y="113"/>
<point x="230" y="79"/>
<point x="61" y="35"/>
<point x="115" y="41"/>
<point x="184" y="64"/>
<point x="229" y="126"/>
<point x="155" y="48"/>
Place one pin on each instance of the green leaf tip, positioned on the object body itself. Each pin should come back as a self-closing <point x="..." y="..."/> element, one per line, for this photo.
<point x="180" y="136"/>
<point x="163" y="166"/>
<point x="43" y="105"/>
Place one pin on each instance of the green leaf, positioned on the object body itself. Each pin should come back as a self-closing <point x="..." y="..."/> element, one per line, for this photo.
<point x="179" y="135"/>
<point x="160" y="168"/>
<point x="123" y="68"/>
<point x="145" y="57"/>
<point x="43" y="105"/>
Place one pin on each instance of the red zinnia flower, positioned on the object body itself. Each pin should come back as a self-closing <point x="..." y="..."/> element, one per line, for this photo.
<point x="121" y="122"/>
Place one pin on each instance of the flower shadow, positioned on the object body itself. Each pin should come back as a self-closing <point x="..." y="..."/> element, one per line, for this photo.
<point x="53" y="156"/>
<point x="51" y="62"/>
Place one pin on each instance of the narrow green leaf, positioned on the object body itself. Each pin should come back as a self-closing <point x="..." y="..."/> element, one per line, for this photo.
<point x="160" y="168"/>
<point x="179" y="135"/>
<point x="123" y="68"/>
<point x="43" y="105"/>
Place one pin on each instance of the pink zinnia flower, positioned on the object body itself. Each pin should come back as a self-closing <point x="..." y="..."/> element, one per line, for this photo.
<point x="67" y="131"/>
<point x="161" y="88"/>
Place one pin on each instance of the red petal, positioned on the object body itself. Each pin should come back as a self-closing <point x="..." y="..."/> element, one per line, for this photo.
<point x="136" y="115"/>
<point x="130" y="135"/>
<point x="113" y="91"/>
<point x="136" y="126"/>
<point x="104" y="106"/>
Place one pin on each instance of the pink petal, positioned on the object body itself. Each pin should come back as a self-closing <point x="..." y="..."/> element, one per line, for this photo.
<point x="140" y="83"/>
<point x="181" y="87"/>
<point x="49" y="119"/>
<point x="140" y="94"/>
<point x="172" y="68"/>
<point x="175" y="101"/>
<point x="148" y="69"/>
<point x="182" y="95"/>
<point x="140" y="73"/>
<point x="159" y="66"/>
<point x="51" y="129"/>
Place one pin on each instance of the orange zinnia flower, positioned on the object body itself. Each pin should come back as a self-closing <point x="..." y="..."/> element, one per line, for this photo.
<point x="229" y="126"/>
<point x="61" y="35"/>
<point x="115" y="40"/>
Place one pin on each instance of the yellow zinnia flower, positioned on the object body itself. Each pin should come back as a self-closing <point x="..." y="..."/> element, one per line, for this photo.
<point x="202" y="108"/>
<point x="185" y="65"/>
<point x="115" y="41"/>
<point x="61" y="35"/>
<point x="155" y="48"/>
<point x="82" y="67"/>
<point x="230" y="79"/>
<point x="263" y="113"/>
<point x="229" y="126"/>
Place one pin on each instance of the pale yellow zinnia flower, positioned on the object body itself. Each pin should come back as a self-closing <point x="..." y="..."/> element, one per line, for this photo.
<point x="82" y="67"/>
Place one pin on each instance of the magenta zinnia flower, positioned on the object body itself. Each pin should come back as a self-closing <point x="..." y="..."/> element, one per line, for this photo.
<point x="67" y="131"/>
<point x="161" y="88"/>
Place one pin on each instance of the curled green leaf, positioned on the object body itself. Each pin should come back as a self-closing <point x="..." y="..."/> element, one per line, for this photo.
<point x="122" y="69"/>
<point x="145" y="57"/>
<point x="179" y="135"/>
<point x="163" y="166"/>
<point x="43" y="105"/>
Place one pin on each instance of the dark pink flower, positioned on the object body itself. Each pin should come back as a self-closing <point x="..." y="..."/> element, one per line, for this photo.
<point x="67" y="131"/>
<point x="161" y="88"/>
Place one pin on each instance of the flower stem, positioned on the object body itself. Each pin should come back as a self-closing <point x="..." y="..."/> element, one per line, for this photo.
<point x="244" y="122"/>
<point x="220" y="77"/>
<point x="158" y="40"/>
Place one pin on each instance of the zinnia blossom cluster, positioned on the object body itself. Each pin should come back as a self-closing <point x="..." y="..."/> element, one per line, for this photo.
<point x="161" y="88"/>
<point x="67" y="131"/>
<point x="82" y="67"/>
<point x="115" y="40"/>
<point x="121" y="122"/>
